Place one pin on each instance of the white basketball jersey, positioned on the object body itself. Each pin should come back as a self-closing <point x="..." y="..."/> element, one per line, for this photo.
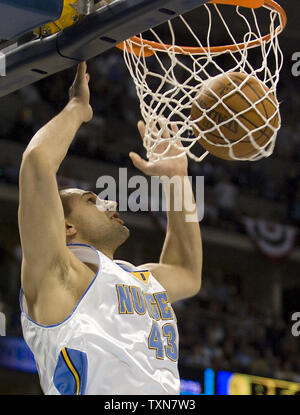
<point x="121" y="338"/>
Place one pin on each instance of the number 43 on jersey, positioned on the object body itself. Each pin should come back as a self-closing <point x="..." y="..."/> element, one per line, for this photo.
<point x="158" y="336"/>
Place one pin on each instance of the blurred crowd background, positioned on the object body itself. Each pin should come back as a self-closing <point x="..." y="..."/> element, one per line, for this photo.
<point x="219" y="328"/>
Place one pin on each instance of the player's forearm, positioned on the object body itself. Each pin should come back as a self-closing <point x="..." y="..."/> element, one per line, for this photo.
<point x="53" y="140"/>
<point x="183" y="244"/>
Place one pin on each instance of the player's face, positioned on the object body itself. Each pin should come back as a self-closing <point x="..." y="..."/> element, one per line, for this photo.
<point x="97" y="221"/>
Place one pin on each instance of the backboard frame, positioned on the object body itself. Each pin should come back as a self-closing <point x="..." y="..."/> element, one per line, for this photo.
<point x="90" y="37"/>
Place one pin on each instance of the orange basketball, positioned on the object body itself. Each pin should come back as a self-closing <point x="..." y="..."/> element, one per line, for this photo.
<point x="237" y="128"/>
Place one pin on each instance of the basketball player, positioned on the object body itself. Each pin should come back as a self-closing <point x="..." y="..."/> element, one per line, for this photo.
<point x="96" y="325"/>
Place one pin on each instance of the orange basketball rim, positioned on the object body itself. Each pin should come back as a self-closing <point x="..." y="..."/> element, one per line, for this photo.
<point x="147" y="47"/>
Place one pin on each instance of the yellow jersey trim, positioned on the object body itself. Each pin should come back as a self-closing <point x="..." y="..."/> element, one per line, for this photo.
<point x="72" y="369"/>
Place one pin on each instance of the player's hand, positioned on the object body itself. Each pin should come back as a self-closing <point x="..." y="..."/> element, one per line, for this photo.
<point x="79" y="92"/>
<point x="172" y="167"/>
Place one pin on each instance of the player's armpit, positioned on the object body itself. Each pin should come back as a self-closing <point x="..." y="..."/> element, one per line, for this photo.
<point x="179" y="282"/>
<point x="41" y="220"/>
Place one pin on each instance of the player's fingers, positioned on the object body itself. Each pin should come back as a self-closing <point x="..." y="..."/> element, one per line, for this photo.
<point x="82" y="68"/>
<point x="164" y="128"/>
<point x="142" y="128"/>
<point x="153" y="129"/>
<point x="138" y="162"/>
<point x="81" y="71"/>
<point x="174" y="127"/>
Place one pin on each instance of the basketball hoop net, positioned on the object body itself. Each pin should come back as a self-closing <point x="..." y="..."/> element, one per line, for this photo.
<point x="168" y="75"/>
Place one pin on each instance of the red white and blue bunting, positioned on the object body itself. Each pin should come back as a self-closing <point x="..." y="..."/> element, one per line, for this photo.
<point x="274" y="240"/>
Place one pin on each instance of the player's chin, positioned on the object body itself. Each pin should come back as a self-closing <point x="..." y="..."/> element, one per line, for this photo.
<point x="125" y="229"/>
<point x="122" y="234"/>
<point x="120" y="225"/>
<point x="125" y="232"/>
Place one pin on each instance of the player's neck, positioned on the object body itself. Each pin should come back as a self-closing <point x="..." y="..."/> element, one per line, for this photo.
<point x="106" y="251"/>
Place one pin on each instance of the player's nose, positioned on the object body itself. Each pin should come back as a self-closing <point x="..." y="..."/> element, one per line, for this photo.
<point x="107" y="205"/>
<point x="111" y="205"/>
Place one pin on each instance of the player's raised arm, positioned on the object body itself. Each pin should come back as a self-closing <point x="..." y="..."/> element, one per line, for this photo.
<point x="41" y="216"/>
<point x="180" y="267"/>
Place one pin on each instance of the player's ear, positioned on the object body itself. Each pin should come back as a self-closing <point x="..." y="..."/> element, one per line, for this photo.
<point x="70" y="229"/>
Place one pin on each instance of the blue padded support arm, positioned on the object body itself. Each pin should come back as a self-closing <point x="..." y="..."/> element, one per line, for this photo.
<point x="20" y="16"/>
<point x="95" y="34"/>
